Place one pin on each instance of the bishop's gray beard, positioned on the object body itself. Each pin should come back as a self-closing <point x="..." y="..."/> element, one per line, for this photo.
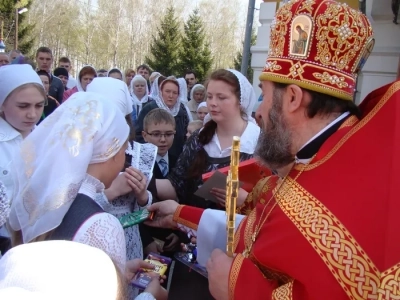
<point x="274" y="144"/>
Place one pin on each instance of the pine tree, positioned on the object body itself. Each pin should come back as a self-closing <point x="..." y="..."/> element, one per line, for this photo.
<point x="239" y="56"/>
<point x="165" y="47"/>
<point x="195" y="53"/>
<point x="25" y="31"/>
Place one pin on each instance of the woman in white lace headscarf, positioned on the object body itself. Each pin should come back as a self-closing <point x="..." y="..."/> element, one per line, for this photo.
<point x="67" y="270"/>
<point x="230" y="98"/>
<point x="140" y="92"/>
<point x="168" y="100"/>
<point x="197" y="96"/>
<point x="77" y="151"/>
<point x="119" y="198"/>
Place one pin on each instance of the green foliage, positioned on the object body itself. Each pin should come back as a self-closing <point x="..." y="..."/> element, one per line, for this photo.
<point x="165" y="47"/>
<point x="238" y="59"/>
<point x="195" y="52"/>
<point x="25" y="31"/>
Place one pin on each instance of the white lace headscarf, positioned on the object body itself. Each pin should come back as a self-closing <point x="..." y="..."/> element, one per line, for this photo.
<point x="87" y="129"/>
<point x="145" y="98"/>
<point x="183" y="90"/>
<point x="78" y="82"/>
<point x="247" y="96"/>
<point x="114" y="90"/>
<point x="154" y="75"/>
<point x="57" y="270"/>
<point x="174" y="110"/>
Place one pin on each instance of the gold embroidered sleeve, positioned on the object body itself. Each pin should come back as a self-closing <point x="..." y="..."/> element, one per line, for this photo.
<point x="255" y="196"/>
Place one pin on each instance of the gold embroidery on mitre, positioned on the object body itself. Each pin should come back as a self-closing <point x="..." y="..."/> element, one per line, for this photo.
<point x="340" y="36"/>
<point x="325" y="77"/>
<point x="301" y="33"/>
<point x="347" y="261"/>
<point x="296" y="70"/>
<point x="284" y="292"/>
<point x="279" y="29"/>
<point x="272" y="66"/>
<point x="361" y="60"/>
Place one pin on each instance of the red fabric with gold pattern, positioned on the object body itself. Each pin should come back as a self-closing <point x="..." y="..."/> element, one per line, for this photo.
<point x="319" y="45"/>
<point x="188" y="216"/>
<point x="333" y="234"/>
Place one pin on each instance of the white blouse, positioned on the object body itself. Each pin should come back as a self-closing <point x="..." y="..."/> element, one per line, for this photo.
<point x="102" y="230"/>
<point x="248" y="143"/>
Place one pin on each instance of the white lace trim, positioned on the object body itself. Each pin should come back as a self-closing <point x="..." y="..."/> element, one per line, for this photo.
<point x="105" y="232"/>
<point x="4" y="205"/>
<point x="143" y="158"/>
<point x="91" y="186"/>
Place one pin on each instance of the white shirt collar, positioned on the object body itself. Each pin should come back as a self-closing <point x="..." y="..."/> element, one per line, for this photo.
<point x="7" y="132"/>
<point x="338" y="119"/>
<point x="165" y="157"/>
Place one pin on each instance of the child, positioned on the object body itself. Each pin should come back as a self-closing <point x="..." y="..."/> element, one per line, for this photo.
<point x="193" y="126"/>
<point x="159" y="130"/>
<point x="202" y="111"/>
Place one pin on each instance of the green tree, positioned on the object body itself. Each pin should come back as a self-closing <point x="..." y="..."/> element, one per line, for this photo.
<point x="238" y="59"/>
<point x="165" y="47"/>
<point x="26" y="38"/>
<point x="195" y="52"/>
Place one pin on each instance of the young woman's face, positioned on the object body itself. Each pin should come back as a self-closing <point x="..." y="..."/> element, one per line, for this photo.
<point x="222" y="103"/>
<point x="23" y="108"/>
<point x="128" y="78"/>
<point x="86" y="79"/>
<point x="170" y="93"/>
<point x="114" y="166"/>
<point x="45" y="82"/>
<point x="139" y="88"/>
<point x="202" y="112"/>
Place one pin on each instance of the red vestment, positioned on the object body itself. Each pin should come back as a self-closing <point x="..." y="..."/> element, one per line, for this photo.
<point x="334" y="232"/>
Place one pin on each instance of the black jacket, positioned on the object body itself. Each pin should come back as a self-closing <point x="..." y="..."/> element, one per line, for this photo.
<point x="56" y="89"/>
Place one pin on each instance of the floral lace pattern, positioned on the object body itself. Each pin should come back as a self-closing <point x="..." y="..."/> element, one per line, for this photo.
<point x="143" y="158"/>
<point x="4" y="205"/>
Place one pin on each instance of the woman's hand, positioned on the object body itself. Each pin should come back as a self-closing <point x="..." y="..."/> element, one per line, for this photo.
<point x="134" y="265"/>
<point x="118" y="188"/>
<point x="138" y="183"/>
<point x="220" y="194"/>
<point x="157" y="290"/>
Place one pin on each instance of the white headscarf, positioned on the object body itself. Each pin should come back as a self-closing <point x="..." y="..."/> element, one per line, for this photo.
<point x="183" y="90"/>
<point x="57" y="270"/>
<point x="202" y="104"/>
<point x="13" y="76"/>
<point x="195" y="88"/>
<point x="145" y="98"/>
<point x="155" y="90"/>
<point x="78" y="82"/>
<point x="114" y="90"/>
<point x="247" y="96"/>
<point x="86" y="129"/>
<point x="174" y="110"/>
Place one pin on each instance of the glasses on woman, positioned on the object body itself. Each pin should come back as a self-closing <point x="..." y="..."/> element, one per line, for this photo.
<point x="159" y="135"/>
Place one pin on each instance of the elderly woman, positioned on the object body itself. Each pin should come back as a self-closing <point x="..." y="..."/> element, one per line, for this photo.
<point x="198" y="95"/>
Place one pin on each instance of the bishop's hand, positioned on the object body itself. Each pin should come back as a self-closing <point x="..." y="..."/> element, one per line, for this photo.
<point x="164" y="213"/>
<point x="218" y="268"/>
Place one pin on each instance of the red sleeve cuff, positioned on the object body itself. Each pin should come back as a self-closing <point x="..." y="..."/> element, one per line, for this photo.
<point x="188" y="216"/>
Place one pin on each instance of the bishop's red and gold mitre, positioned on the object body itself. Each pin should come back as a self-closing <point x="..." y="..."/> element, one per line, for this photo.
<point x="319" y="45"/>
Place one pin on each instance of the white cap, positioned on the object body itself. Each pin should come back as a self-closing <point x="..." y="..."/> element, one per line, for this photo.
<point x="13" y="76"/>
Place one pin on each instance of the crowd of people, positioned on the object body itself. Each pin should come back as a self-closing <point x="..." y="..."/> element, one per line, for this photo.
<point x="78" y="154"/>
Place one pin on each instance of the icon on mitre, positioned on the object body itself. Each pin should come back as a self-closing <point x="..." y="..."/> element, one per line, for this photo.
<point x="300" y="35"/>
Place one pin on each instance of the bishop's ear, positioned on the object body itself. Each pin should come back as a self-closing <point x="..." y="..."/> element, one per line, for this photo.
<point x="293" y="98"/>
